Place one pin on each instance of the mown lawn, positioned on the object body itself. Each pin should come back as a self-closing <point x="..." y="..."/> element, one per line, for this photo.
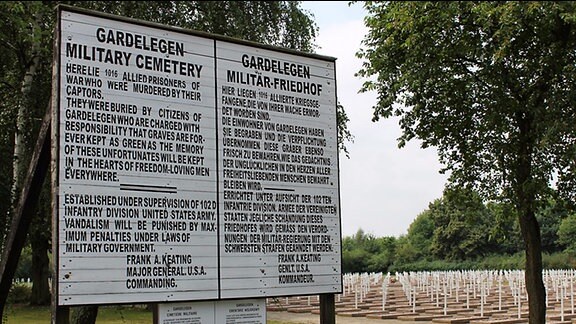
<point x="22" y="314"/>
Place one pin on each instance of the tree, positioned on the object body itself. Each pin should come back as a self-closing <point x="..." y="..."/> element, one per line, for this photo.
<point x="505" y="231"/>
<point x="40" y="240"/>
<point x="405" y="251"/>
<point x="567" y="233"/>
<point x="491" y="85"/>
<point x="550" y="216"/>
<point x="355" y="260"/>
<point x="420" y="233"/>
<point x="461" y="226"/>
<point x="355" y="252"/>
<point x="278" y="23"/>
<point x="415" y="245"/>
<point x="25" y="90"/>
<point x="383" y="257"/>
<point x="364" y="252"/>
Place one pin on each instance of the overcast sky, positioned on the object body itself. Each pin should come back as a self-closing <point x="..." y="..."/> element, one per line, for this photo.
<point x="382" y="187"/>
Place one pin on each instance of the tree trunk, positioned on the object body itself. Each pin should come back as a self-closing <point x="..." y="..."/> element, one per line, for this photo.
<point x="533" y="276"/>
<point x="534" y="282"/>
<point x="84" y="315"/>
<point x="40" y="238"/>
<point x="21" y="149"/>
<point x="40" y="263"/>
<point x="40" y="266"/>
<point x="526" y="206"/>
<point x="22" y="153"/>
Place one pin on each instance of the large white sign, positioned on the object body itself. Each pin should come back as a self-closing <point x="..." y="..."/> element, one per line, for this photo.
<point x="192" y="168"/>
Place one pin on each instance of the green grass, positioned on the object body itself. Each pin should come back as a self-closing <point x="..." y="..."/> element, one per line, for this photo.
<point x="123" y="315"/>
<point x="22" y="314"/>
<point x="19" y="314"/>
<point x="26" y="314"/>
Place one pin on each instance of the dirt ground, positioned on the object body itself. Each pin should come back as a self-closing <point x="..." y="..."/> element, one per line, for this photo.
<point x="309" y="318"/>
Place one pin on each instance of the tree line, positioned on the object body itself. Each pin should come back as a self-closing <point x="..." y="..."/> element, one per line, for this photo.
<point x="459" y="231"/>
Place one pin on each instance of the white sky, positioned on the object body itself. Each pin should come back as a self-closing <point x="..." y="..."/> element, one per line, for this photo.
<point x="382" y="187"/>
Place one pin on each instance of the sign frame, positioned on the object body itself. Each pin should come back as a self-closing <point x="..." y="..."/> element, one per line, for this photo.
<point x="299" y="200"/>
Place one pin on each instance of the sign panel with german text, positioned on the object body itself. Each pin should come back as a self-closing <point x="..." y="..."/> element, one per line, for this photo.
<point x="280" y="231"/>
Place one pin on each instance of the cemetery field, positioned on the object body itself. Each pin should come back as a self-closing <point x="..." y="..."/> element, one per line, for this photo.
<point x="475" y="297"/>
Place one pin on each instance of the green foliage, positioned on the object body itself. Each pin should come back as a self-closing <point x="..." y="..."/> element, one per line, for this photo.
<point x="24" y="269"/>
<point x="436" y="265"/>
<point x="19" y="293"/>
<point x="461" y="225"/>
<point x="344" y="134"/>
<point x="420" y="235"/>
<point x="379" y="262"/>
<point x="501" y="250"/>
<point x="550" y="217"/>
<point x="492" y="262"/>
<point x="406" y="252"/>
<point x="363" y="252"/>
<point x="354" y="261"/>
<point x="567" y="233"/>
<point x="416" y="244"/>
<point x="503" y="262"/>
<point x="505" y="231"/>
<point x="487" y="83"/>
<point x="559" y="260"/>
<point x="278" y="23"/>
<point x="24" y="41"/>
<point x="354" y="253"/>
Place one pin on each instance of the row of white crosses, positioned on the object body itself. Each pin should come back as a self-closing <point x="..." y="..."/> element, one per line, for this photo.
<point x="561" y="283"/>
<point x="359" y="284"/>
<point x="439" y="286"/>
<point x="462" y="286"/>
